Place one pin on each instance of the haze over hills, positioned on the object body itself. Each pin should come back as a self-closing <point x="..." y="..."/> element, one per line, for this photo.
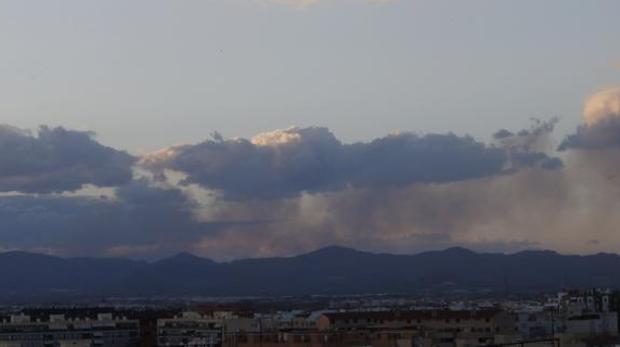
<point x="331" y="270"/>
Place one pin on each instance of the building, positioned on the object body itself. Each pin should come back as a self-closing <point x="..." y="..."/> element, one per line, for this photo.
<point x="422" y="328"/>
<point x="190" y="329"/>
<point x="578" y="302"/>
<point x="103" y="330"/>
<point x="587" y="313"/>
<point x="425" y="327"/>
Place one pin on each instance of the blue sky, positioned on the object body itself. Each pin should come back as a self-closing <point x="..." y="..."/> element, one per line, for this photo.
<point x="147" y="74"/>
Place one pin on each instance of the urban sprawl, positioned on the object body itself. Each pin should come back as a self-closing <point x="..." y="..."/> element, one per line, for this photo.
<point x="570" y="318"/>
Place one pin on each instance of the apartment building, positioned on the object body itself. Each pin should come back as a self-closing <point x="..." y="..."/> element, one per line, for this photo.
<point x="441" y="328"/>
<point x="588" y="312"/>
<point x="425" y="327"/>
<point x="104" y="330"/>
<point x="190" y="329"/>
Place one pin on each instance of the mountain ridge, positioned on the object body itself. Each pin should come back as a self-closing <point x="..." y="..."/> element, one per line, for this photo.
<point x="186" y="254"/>
<point x="333" y="270"/>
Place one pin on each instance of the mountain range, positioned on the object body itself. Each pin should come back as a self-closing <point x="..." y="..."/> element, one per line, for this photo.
<point x="327" y="271"/>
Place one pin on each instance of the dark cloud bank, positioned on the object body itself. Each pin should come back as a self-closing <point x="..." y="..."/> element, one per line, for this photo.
<point x="139" y="214"/>
<point x="293" y="190"/>
<point x="601" y="135"/>
<point x="56" y="160"/>
<point x="289" y="162"/>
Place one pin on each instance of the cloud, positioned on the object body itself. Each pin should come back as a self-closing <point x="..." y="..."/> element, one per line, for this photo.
<point x="601" y="128"/>
<point x="289" y="162"/>
<point x="528" y="146"/>
<point x="400" y="193"/>
<point x="57" y="160"/>
<point x="602" y="105"/>
<point x="141" y="220"/>
<point x="532" y="208"/>
<point x="293" y="190"/>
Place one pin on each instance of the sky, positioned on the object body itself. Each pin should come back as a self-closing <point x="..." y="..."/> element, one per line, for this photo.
<point x="245" y="128"/>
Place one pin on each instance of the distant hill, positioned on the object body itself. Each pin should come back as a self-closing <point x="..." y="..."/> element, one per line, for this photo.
<point x="331" y="270"/>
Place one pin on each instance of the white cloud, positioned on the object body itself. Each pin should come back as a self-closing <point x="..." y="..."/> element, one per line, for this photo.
<point x="277" y="137"/>
<point x="602" y="105"/>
